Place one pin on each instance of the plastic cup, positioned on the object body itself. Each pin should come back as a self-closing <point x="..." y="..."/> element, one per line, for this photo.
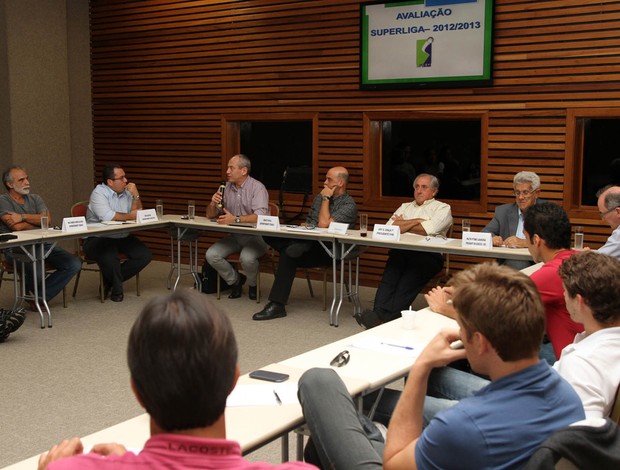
<point x="408" y="318"/>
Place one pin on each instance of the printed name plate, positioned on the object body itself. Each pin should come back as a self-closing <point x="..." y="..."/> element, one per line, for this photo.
<point x="386" y="232"/>
<point x="146" y="215"/>
<point x="74" y="224"/>
<point x="478" y="240"/>
<point x="338" y="228"/>
<point x="268" y="222"/>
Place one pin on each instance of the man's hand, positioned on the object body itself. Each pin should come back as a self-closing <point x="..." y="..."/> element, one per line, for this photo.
<point x="66" y="448"/>
<point x="109" y="449"/>
<point x="440" y="301"/>
<point x="514" y="242"/>
<point x="498" y="240"/>
<point x="329" y="192"/>
<point x="133" y="189"/>
<point x="216" y="198"/>
<point x="226" y="218"/>
<point x="438" y="353"/>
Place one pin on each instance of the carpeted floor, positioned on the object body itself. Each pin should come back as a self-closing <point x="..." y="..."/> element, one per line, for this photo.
<point x="72" y="379"/>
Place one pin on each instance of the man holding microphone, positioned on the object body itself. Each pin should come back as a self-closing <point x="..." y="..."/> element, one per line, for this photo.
<point x="243" y="200"/>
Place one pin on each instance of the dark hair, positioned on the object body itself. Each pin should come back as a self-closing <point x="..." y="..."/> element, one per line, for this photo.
<point x="182" y="355"/>
<point x="504" y="306"/>
<point x="108" y="172"/>
<point x="596" y="277"/>
<point x="550" y="222"/>
<point x="6" y="175"/>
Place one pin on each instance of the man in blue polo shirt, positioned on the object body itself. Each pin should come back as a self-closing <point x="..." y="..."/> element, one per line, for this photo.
<point x="502" y="322"/>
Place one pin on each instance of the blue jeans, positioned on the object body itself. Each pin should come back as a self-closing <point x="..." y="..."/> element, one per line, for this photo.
<point x="341" y="437"/>
<point x="65" y="264"/>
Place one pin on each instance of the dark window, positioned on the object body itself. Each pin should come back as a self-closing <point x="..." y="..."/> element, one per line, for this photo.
<point x="448" y="149"/>
<point x="601" y="156"/>
<point x="275" y="145"/>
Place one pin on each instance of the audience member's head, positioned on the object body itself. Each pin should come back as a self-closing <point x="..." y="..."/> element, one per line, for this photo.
<point x="526" y="185"/>
<point x="504" y="306"/>
<point x="548" y="222"/>
<point x="182" y="356"/>
<point x="594" y="277"/>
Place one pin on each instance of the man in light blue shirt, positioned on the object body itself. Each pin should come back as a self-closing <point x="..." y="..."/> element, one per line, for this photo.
<point x="115" y="199"/>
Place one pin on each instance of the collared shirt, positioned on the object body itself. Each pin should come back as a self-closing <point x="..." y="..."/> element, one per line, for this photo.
<point x="612" y="246"/>
<point x="250" y="198"/>
<point x="591" y="364"/>
<point x="33" y="204"/>
<point x="341" y="208"/>
<point x="535" y="401"/>
<point x="174" y="451"/>
<point x="437" y="215"/>
<point x="105" y="203"/>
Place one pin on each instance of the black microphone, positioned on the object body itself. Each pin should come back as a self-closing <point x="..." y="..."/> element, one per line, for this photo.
<point x="221" y="191"/>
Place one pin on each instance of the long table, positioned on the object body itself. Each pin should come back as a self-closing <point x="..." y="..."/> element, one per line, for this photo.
<point x="256" y="426"/>
<point x="336" y="245"/>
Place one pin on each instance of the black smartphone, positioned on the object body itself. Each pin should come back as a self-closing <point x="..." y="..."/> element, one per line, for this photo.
<point x="269" y="376"/>
<point x="5" y="237"/>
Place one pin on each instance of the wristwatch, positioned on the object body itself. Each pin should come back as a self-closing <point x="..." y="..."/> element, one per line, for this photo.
<point x="325" y="198"/>
<point x="237" y="219"/>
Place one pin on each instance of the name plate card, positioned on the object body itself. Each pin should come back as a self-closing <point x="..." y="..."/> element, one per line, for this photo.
<point x="146" y="215"/>
<point x="74" y="224"/>
<point x="338" y="228"/>
<point x="269" y="222"/>
<point x="477" y="240"/>
<point x="386" y="232"/>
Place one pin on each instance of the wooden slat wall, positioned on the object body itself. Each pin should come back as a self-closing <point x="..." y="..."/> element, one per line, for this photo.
<point x="168" y="74"/>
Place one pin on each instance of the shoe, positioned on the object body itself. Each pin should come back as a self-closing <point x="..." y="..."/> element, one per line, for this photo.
<point x="367" y="319"/>
<point x="252" y="292"/>
<point x="237" y="288"/>
<point x="15" y="319"/>
<point x="272" y="310"/>
<point x="117" y="297"/>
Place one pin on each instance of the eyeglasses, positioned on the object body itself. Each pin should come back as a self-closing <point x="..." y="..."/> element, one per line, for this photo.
<point x="124" y="177"/>
<point x="525" y="193"/>
<point x="603" y="214"/>
<point x="341" y="359"/>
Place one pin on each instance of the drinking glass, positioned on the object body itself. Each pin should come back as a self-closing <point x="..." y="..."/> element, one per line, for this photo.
<point x="159" y="208"/>
<point x="45" y="224"/>
<point x="465" y="225"/>
<point x="363" y="225"/>
<point x="578" y="237"/>
<point x="191" y="209"/>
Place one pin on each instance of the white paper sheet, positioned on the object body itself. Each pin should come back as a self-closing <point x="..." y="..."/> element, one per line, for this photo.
<point x="263" y="394"/>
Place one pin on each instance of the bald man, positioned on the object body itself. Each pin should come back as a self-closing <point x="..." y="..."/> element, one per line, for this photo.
<point x="609" y="207"/>
<point x="332" y="204"/>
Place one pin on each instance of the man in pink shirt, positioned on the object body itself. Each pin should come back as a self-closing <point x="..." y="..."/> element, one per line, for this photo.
<point x="548" y="232"/>
<point x="182" y="356"/>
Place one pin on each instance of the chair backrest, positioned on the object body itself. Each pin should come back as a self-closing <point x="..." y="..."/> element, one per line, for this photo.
<point x="79" y="209"/>
<point x="274" y="209"/>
